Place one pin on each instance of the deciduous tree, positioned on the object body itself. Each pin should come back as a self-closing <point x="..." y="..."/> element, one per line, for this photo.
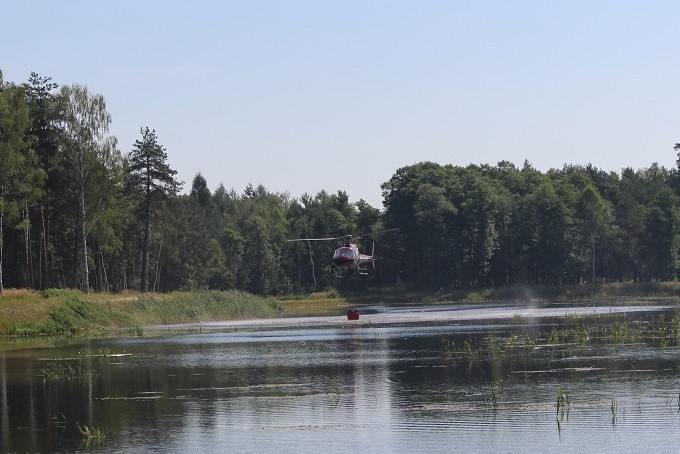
<point x="86" y="148"/>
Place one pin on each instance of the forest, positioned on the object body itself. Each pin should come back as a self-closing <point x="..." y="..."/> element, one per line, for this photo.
<point x="78" y="212"/>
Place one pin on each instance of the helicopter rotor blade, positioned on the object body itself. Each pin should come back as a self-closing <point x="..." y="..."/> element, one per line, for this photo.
<point x="376" y="233"/>
<point x="347" y="237"/>
<point x="317" y="239"/>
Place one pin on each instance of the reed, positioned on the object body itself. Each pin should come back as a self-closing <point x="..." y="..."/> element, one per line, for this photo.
<point x="566" y="336"/>
<point x="91" y="432"/>
<point x="496" y="392"/>
<point x="554" y="337"/>
<point x="562" y="400"/>
<point x="494" y="398"/>
<point x="470" y="351"/>
<point x="448" y="346"/>
<point x="494" y="347"/>
<point x="336" y="392"/>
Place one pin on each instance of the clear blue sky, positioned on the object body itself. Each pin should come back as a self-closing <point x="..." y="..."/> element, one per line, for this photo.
<point x="307" y="95"/>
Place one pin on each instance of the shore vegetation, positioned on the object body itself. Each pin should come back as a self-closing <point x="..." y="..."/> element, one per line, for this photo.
<point x="72" y="312"/>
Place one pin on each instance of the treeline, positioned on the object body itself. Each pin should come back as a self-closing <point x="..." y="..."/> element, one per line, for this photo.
<point x="483" y="226"/>
<point x="76" y="212"/>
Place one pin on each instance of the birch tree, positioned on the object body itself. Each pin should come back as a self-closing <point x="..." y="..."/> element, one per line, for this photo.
<point x="85" y="148"/>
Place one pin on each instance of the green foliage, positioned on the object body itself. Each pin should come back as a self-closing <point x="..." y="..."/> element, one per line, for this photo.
<point x="21" y="179"/>
<point x="73" y="209"/>
<point x="150" y="182"/>
<point x="71" y="312"/>
<point x="563" y="400"/>
<point x="90" y="165"/>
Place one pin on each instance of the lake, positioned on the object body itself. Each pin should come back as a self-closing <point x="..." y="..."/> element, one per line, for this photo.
<point x="468" y="378"/>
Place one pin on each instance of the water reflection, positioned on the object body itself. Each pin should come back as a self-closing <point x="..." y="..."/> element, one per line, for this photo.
<point x="426" y="387"/>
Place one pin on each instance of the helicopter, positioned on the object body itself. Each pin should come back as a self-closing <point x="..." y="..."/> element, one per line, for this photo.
<point x="347" y="258"/>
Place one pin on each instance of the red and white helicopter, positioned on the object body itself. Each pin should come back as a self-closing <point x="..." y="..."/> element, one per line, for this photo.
<point x="347" y="258"/>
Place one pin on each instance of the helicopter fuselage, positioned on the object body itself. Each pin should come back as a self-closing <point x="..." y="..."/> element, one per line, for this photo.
<point x="348" y="257"/>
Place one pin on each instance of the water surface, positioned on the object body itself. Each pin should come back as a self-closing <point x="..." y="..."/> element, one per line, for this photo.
<point x="402" y="380"/>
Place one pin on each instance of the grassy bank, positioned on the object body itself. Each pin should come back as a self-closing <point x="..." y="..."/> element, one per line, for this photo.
<point x="70" y="312"/>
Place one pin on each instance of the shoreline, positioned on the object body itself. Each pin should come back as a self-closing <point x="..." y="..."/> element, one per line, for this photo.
<point x="451" y="313"/>
<point x="66" y="313"/>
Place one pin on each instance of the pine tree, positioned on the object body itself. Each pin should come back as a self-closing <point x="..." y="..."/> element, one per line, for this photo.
<point x="21" y="179"/>
<point x="151" y="179"/>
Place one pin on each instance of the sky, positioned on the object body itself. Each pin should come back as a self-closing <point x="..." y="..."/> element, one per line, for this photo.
<point x="304" y="96"/>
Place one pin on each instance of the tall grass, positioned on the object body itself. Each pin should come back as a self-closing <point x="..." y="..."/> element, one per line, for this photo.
<point x="70" y="312"/>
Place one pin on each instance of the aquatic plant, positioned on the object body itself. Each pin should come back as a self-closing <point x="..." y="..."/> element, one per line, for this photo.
<point x="470" y="350"/>
<point x="336" y="391"/>
<point x="625" y="333"/>
<point x="59" y="421"/>
<point x="137" y="331"/>
<point x="554" y="338"/>
<point x="562" y="400"/>
<point x="675" y="328"/>
<point x="663" y="332"/>
<point x="101" y="353"/>
<point x="65" y="372"/>
<point x="496" y="392"/>
<point x="91" y="433"/>
<point x="614" y="408"/>
<point x="493" y="346"/>
<point x="448" y="346"/>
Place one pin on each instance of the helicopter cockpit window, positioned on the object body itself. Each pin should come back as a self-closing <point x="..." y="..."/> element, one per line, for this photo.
<point x="343" y="253"/>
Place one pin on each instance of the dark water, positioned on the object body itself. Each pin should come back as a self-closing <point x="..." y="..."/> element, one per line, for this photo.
<point x="343" y="387"/>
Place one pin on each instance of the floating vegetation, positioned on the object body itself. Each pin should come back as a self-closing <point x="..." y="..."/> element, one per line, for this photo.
<point x="65" y="371"/>
<point x="84" y="365"/>
<point x="102" y="352"/>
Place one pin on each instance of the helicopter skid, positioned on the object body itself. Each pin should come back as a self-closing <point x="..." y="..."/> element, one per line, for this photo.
<point x="341" y="273"/>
